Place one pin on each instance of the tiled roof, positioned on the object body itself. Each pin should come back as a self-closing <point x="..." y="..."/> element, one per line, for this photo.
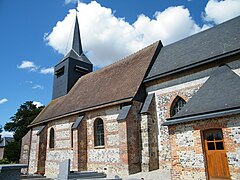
<point x="5" y="140"/>
<point x="117" y="82"/>
<point x="219" y="95"/>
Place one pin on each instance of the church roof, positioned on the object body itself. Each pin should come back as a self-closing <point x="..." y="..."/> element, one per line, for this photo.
<point x="218" y="96"/>
<point x="77" y="45"/>
<point x="116" y="83"/>
<point x="5" y="140"/>
<point x="76" y="51"/>
<point x="74" y="55"/>
<point x="207" y="46"/>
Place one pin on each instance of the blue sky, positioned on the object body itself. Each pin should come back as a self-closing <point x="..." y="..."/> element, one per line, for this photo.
<point x="36" y="33"/>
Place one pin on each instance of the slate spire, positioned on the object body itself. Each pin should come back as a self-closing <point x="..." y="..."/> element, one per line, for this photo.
<point x="76" y="44"/>
<point x="73" y="66"/>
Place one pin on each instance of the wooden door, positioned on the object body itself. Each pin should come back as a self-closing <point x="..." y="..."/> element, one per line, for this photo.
<point x="217" y="163"/>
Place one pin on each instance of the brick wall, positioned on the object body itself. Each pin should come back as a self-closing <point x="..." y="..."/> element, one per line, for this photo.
<point x="188" y="159"/>
<point x="121" y="154"/>
<point x="25" y="150"/>
<point x="164" y="99"/>
<point x="111" y="158"/>
<point x="1" y="152"/>
<point x="166" y="91"/>
<point x="62" y="147"/>
<point x="133" y="138"/>
<point x="34" y="148"/>
<point x="149" y="133"/>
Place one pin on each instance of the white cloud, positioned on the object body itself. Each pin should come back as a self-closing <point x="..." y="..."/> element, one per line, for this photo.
<point x="47" y="70"/>
<point x="37" y="103"/>
<point x="28" y="65"/>
<point x="32" y="67"/>
<point x="34" y="85"/>
<point x="37" y="86"/>
<point x="29" y="82"/>
<point x="70" y="1"/>
<point x="4" y="100"/>
<point x="106" y="38"/>
<point x="219" y="11"/>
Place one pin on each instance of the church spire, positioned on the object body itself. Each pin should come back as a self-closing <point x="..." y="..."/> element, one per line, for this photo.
<point x="76" y="44"/>
<point x="73" y="66"/>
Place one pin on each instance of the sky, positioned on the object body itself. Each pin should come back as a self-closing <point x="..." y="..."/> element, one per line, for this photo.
<point x="35" y="35"/>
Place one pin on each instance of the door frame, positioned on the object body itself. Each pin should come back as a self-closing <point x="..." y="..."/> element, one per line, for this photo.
<point x="204" y="145"/>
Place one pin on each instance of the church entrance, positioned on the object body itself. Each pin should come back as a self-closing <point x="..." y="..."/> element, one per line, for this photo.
<point x="215" y="152"/>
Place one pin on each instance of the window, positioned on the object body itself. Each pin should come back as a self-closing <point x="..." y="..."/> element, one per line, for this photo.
<point x="51" y="141"/>
<point x="98" y="132"/>
<point x="177" y="105"/>
<point x="59" y="72"/>
<point x="71" y="138"/>
<point x="213" y="139"/>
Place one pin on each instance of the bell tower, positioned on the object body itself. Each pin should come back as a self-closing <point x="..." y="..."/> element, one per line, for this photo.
<point x="73" y="66"/>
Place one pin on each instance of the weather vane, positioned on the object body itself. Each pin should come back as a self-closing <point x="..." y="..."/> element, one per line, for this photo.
<point x="77" y="5"/>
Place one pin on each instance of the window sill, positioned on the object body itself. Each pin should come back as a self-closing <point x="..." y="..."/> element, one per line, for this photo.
<point x="99" y="147"/>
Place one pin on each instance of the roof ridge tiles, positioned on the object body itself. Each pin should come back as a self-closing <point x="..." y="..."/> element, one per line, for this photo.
<point x="126" y="58"/>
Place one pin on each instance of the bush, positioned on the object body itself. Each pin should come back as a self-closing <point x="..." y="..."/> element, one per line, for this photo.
<point x="12" y="151"/>
<point x="5" y="161"/>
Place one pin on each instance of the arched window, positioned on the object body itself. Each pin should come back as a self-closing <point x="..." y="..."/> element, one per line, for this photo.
<point x="177" y="105"/>
<point x="51" y="141"/>
<point x="98" y="132"/>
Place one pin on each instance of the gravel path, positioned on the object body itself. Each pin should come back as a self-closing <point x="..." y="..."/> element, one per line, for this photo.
<point x="153" y="175"/>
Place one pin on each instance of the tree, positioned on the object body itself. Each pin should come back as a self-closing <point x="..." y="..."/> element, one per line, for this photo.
<point x="19" y="125"/>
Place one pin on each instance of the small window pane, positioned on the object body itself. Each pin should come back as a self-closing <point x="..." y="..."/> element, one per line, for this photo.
<point x="209" y="136"/>
<point x="211" y="146"/>
<point x="218" y="135"/>
<point x="98" y="133"/>
<point x="177" y="105"/>
<point x="51" y="141"/>
<point x="219" y="146"/>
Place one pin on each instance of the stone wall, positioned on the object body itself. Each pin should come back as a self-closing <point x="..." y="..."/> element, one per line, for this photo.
<point x="149" y="133"/>
<point x="42" y="150"/>
<point x="121" y="154"/>
<point x="164" y="98"/>
<point x="1" y="152"/>
<point x="166" y="90"/>
<point x="81" y="143"/>
<point x="34" y="148"/>
<point x="107" y="158"/>
<point x="25" y="150"/>
<point x="188" y="159"/>
<point x="63" y="146"/>
<point x="133" y="123"/>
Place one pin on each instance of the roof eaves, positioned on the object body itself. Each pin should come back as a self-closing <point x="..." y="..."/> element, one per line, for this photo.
<point x="83" y="110"/>
<point x="124" y="112"/>
<point x="77" y="122"/>
<point x="146" y="105"/>
<point x="40" y="130"/>
<point x="198" y="117"/>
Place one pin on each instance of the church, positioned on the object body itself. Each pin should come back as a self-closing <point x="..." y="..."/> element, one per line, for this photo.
<point x="174" y="108"/>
